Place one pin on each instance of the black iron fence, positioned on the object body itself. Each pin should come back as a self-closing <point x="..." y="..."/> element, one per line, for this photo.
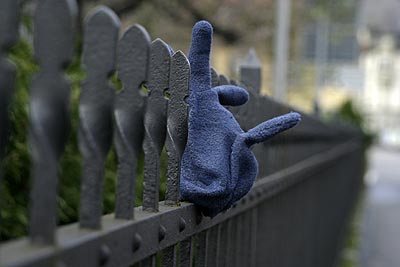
<point x="294" y="215"/>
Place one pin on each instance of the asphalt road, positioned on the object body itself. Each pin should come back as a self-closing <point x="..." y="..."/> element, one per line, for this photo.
<point x="380" y="228"/>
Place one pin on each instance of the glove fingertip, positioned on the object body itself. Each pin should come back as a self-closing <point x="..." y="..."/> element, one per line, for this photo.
<point x="271" y="128"/>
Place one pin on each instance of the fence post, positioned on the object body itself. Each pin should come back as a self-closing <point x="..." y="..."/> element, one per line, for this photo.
<point x="95" y="110"/>
<point x="250" y="78"/>
<point x="133" y="62"/>
<point x="250" y="71"/>
<point x="49" y="111"/>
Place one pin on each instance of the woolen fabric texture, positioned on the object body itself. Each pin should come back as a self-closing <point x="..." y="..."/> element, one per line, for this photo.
<point x="218" y="167"/>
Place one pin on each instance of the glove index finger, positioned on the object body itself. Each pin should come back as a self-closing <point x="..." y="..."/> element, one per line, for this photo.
<point x="199" y="56"/>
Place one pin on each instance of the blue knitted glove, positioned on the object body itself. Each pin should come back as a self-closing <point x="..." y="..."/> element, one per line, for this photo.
<point x="218" y="167"/>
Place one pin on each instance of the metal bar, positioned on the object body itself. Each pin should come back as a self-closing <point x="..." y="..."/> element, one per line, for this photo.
<point x="212" y="245"/>
<point x="49" y="112"/>
<point x="169" y="257"/>
<point x="155" y="122"/>
<point x="133" y="56"/>
<point x="132" y="241"/>
<point x="148" y="262"/>
<point x="201" y="249"/>
<point x="231" y="242"/>
<point x="185" y="253"/>
<point x="253" y="239"/>
<point x="177" y="125"/>
<point x="95" y="110"/>
<point x="222" y="243"/>
<point x="240" y="244"/>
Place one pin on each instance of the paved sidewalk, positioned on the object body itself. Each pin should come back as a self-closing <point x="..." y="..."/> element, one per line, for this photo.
<point x="380" y="231"/>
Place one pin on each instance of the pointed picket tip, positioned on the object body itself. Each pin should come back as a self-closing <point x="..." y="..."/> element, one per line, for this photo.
<point x="102" y="14"/>
<point x="214" y="78"/>
<point x="179" y="56"/>
<point x="179" y="73"/>
<point x="136" y="33"/>
<point x="251" y="60"/>
<point x="161" y="46"/>
<point x="133" y="55"/>
<point x="223" y="80"/>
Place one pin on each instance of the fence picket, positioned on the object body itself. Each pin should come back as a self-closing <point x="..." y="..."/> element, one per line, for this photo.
<point x="239" y="244"/>
<point x="231" y="241"/>
<point x="250" y="71"/>
<point x="169" y="257"/>
<point x="212" y="243"/>
<point x="233" y="82"/>
<point x="49" y="111"/>
<point x="149" y="261"/>
<point x="222" y="243"/>
<point x="133" y="60"/>
<point x="201" y="249"/>
<point x="95" y="110"/>
<point x="214" y="78"/>
<point x="223" y="80"/>
<point x="155" y="122"/>
<point x="253" y="236"/>
<point x="186" y="253"/>
<point x="176" y="124"/>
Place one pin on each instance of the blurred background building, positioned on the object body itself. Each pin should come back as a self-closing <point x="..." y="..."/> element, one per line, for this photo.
<point x="379" y="35"/>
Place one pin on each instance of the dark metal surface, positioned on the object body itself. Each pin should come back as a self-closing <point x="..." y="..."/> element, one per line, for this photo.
<point x="75" y="245"/>
<point x="155" y="122"/>
<point x="223" y="80"/>
<point x="95" y="110"/>
<point x="49" y="111"/>
<point x="177" y="124"/>
<point x="212" y="242"/>
<point x="250" y="71"/>
<point x="133" y="58"/>
<point x="214" y="78"/>
<point x="169" y="257"/>
<point x="201" y="249"/>
<point x="186" y="252"/>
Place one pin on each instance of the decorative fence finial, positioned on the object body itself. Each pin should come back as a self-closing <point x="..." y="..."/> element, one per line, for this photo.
<point x="95" y="109"/>
<point x="155" y="122"/>
<point x="250" y="71"/>
<point x="176" y="123"/>
<point x="49" y="110"/>
<point x="133" y="61"/>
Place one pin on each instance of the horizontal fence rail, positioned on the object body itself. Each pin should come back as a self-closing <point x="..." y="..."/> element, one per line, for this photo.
<point x="295" y="214"/>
